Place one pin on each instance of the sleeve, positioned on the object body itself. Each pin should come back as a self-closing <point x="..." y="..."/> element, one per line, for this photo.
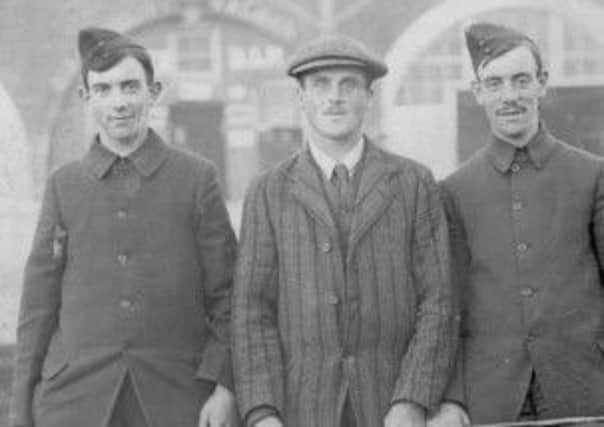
<point x="258" y="414"/>
<point x="217" y="246"/>
<point x="460" y="261"/>
<point x="257" y="351"/>
<point x="597" y="225"/>
<point x="39" y="306"/>
<point x="430" y="356"/>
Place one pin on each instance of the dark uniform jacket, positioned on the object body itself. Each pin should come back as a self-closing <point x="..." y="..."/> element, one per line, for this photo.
<point x="130" y="271"/>
<point x="528" y="236"/>
<point x="308" y="331"/>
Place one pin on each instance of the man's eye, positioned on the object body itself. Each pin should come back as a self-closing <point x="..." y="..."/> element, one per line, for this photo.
<point x="100" y="90"/>
<point x="492" y="84"/>
<point x="319" y="84"/>
<point x="350" y="86"/>
<point x="523" y="81"/>
<point x="131" y="87"/>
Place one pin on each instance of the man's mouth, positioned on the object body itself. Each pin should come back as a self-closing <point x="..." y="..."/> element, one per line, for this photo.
<point x="120" y="119"/>
<point x="510" y="111"/>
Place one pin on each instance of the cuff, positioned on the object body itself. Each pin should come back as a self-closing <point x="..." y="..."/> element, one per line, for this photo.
<point x="216" y="365"/>
<point x="259" y="413"/>
<point x="420" y="407"/>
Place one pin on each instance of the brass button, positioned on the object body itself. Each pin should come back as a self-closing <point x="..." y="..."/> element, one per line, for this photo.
<point x="125" y="304"/>
<point x="122" y="259"/>
<point x="121" y="214"/>
<point x="522" y="247"/>
<point x="326" y="246"/>
<point x="515" y="167"/>
<point x="332" y="299"/>
<point x="527" y="292"/>
<point x="517" y="206"/>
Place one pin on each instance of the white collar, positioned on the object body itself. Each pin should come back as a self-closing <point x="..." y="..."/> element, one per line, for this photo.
<point x="327" y="164"/>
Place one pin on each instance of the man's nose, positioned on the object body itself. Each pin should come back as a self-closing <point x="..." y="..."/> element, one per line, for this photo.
<point x="118" y="100"/>
<point x="335" y="93"/>
<point x="509" y="91"/>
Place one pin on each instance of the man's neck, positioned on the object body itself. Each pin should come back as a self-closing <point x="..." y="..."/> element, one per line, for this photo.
<point x="520" y="141"/>
<point x="122" y="148"/>
<point x="335" y="149"/>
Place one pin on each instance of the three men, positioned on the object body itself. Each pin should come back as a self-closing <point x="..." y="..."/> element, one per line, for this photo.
<point x="125" y="309"/>
<point x="342" y="311"/>
<point x="527" y="220"/>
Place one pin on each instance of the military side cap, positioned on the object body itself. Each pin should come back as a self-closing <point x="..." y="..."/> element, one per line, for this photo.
<point x="486" y="41"/>
<point x="99" y="47"/>
<point x="335" y="51"/>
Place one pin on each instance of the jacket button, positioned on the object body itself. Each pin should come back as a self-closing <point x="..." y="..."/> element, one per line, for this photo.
<point x="125" y="304"/>
<point x="522" y="247"/>
<point x="516" y="206"/>
<point x="530" y="338"/>
<point x="122" y="258"/>
<point x="515" y="167"/>
<point x="332" y="299"/>
<point x="326" y="246"/>
<point x="527" y="292"/>
<point x="121" y="214"/>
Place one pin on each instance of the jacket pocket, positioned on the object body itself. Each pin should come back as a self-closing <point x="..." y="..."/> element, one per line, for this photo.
<point x="56" y="360"/>
<point x="52" y="369"/>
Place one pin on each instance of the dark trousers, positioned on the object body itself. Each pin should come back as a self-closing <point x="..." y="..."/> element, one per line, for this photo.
<point x="127" y="411"/>
<point x="533" y="407"/>
<point x="348" y="418"/>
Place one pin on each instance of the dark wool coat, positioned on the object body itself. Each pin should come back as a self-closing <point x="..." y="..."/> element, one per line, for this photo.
<point x="126" y="274"/>
<point x="528" y="236"/>
<point x="307" y="331"/>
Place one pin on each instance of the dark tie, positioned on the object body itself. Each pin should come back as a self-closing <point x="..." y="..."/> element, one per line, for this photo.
<point x="343" y="186"/>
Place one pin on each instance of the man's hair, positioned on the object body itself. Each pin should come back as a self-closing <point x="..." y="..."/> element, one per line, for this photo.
<point x="534" y="49"/>
<point x="111" y="58"/>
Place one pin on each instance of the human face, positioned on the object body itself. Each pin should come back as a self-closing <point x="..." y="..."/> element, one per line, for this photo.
<point x="335" y="101"/>
<point x="120" y="99"/>
<point x="509" y="89"/>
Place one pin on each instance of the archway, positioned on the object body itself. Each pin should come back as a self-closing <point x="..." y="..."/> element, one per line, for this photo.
<point x="425" y="127"/>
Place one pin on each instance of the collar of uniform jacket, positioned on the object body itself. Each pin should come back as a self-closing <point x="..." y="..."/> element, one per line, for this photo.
<point x="539" y="149"/>
<point x="146" y="158"/>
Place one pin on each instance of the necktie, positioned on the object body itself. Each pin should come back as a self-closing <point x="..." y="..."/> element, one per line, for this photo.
<point x="343" y="186"/>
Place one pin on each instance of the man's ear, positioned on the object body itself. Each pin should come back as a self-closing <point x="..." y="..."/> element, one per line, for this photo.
<point x="477" y="91"/>
<point x="300" y="95"/>
<point x="156" y="89"/>
<point x="83" y="93"/>
<point x="543" y="78"/>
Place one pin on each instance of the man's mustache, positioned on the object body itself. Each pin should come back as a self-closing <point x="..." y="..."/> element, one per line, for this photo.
<point x="510" y="107"/>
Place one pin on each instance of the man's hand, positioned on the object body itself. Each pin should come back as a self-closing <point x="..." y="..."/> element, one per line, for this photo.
<point x="219" y="410"/>
<point x="269" y="422"/>
<point x="405" y="414"/>
<point x="449" y="415"/>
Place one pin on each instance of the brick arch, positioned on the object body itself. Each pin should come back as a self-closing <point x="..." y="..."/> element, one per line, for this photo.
<point x="417" y="37"/>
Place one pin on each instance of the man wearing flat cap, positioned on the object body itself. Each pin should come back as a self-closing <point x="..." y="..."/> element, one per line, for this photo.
<point x="527" y="224"/>
<point x="342" y="308"/>
<point x="125" y="310"/>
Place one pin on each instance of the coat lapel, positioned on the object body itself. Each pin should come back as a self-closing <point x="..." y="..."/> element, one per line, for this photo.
<point x="374" y="194"/>
<point x="308" y="189"/>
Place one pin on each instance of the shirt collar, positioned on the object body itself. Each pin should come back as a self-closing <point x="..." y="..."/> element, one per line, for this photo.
<point x="146" y="158"/>
<point x="502" y="153"/>
<point x="327" y="164"/>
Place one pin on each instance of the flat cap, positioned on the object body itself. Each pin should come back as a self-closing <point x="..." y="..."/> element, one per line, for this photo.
<point x="335" y="51"/>
<point x="486" y="41"/>
<point x="101" y="47"/>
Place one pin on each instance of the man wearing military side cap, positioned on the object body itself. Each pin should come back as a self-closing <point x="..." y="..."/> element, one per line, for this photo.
<point x="125" y="311"/>
<point x="342" y="309"/>
<point x="527" y="224"/>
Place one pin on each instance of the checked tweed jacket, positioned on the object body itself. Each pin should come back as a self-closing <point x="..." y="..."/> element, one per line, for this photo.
<point x="307" y="331"/>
